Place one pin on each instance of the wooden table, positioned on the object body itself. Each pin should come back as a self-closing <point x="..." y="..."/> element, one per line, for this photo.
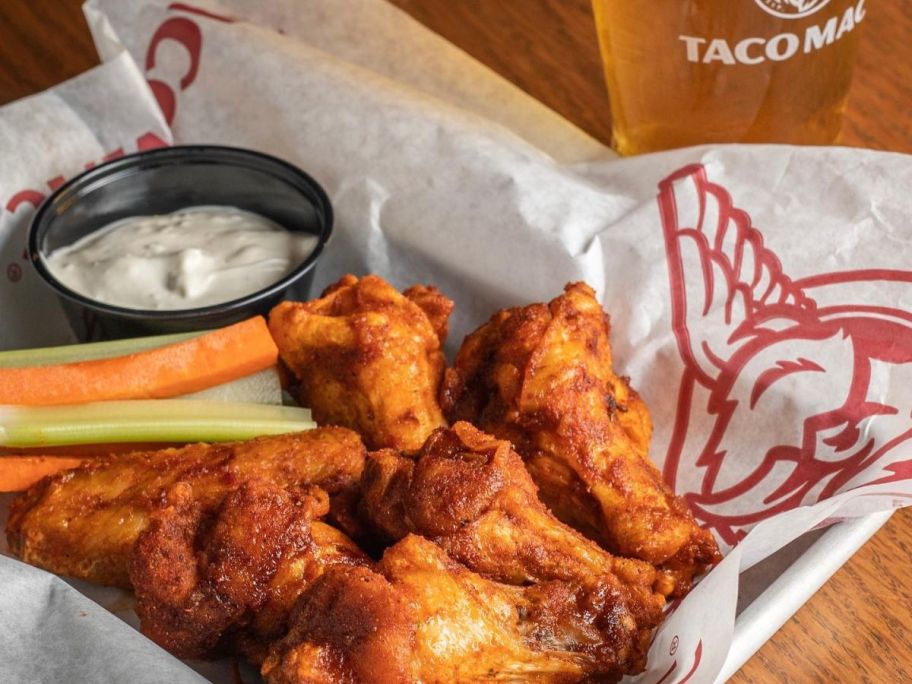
<point x="859" y="626"/>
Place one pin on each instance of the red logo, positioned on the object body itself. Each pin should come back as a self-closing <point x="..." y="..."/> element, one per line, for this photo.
<point x="791" y="389"/>
<point x="186" y="33"/>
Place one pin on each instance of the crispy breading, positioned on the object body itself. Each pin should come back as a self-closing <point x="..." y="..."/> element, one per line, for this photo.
<point x="368" y="357"/>
<point x="84" y="522"/>
<point x="423" y="617"/>
<point x="210" y="582"/>
<point x="541" y="376"/>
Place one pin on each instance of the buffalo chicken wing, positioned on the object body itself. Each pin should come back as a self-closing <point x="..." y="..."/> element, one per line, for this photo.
<point x="422" y="617"/>
<point x="84" y="522"/>
<point x="541" y="376"/>
<point x="220" y="581"/>
<point x="471" y="494"/>
<point x="368" y="358"/>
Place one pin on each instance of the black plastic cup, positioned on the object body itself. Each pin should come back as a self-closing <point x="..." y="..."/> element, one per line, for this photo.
<point x="162" y="181"/>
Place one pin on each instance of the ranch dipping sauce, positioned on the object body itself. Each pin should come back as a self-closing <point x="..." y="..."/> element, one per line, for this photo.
<point x="195" y="257"/>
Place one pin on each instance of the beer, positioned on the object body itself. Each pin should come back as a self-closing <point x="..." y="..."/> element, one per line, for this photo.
<point x="685" y="72"/>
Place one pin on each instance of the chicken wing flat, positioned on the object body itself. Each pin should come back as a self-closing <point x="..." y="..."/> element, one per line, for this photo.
<point x="84" y="522"/>
<point x="218" y="581"/>
<point x="423" y="617"/>
<point x="469" y="493"/>
<point x="368" y="357"/>
<point x="541" y="376"/>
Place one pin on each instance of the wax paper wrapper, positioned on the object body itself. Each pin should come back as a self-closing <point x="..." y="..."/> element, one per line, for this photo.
<point x="759" y="295"/>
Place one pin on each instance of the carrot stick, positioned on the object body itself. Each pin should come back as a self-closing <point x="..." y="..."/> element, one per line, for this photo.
<point x="180" y="368"/>
<point x="18" y="473"/>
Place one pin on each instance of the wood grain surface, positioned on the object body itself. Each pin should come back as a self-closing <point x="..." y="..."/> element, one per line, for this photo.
<point x="858" y="628"/>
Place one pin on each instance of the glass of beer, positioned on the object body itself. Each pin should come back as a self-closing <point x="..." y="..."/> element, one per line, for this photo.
<point x="685" y="72"/>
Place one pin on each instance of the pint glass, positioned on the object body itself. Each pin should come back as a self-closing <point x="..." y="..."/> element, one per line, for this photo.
<point x="684" y="72"/>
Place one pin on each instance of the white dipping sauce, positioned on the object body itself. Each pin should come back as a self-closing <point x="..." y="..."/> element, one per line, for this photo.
<point x="198" y="256"/>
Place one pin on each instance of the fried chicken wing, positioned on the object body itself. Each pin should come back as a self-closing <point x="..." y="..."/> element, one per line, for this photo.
<point x="541" y="376"/>
<point x="368" y="358"/>
<point x="470" y="494"/>
<point x="423" y="617"/>
<point x="219" y="581"/>
<point x="84" y="522"/>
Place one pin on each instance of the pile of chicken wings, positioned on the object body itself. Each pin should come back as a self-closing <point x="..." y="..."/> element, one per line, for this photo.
<point x="496" y="520"/>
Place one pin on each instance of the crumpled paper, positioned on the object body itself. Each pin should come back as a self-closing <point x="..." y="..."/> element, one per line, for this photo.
<point x="759" y="297"/>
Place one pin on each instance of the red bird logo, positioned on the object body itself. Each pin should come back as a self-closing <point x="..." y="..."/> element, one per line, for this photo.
<point x="791" y="389"/>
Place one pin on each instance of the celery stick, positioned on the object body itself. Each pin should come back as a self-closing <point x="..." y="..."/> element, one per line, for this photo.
<point x="49" y="356"/>
<point x="149" y="420"/>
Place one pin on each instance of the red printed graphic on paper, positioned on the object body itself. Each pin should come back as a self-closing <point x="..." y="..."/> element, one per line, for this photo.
<point x="186" y="33"/>
<point x="784" y="380"/>
<point x="668" y="678"/>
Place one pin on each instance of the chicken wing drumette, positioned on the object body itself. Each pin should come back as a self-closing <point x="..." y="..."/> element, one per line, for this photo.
<point x="368" y="357"/>
<point x="423" y="617"/>
<point x="541" y="376"/>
